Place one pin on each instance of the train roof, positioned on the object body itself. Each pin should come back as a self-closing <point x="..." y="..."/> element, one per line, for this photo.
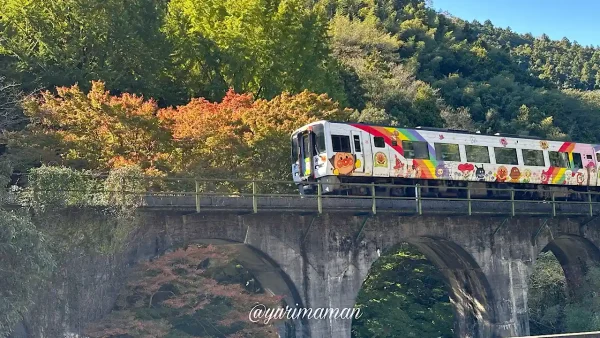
<point x="458" y="131"/>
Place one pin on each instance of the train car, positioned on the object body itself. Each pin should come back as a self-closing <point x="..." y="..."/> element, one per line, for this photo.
<point x="440" y="160"/>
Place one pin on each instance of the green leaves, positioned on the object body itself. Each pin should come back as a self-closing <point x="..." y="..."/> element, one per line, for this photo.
<point x="60" y="43"/>
<point x="258" y="46"/>
<point x="25" y="262"/>
<point x="404" y="296"/>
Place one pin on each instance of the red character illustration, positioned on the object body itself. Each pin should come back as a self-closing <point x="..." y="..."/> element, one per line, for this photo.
<point x="545" y="176"/>
<point x="466" y="169"/>
<point x="501" y="174"/>
<point x="579" y="178"/>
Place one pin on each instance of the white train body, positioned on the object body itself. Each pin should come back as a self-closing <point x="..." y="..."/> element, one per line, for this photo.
<point x="334" y="153"/>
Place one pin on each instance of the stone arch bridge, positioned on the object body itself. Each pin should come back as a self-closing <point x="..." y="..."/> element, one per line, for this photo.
<point x="317" y="253"/>
<point x="321" y="260"/>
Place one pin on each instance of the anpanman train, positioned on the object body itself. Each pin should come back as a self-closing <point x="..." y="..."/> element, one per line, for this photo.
<point x="440" y="160"/>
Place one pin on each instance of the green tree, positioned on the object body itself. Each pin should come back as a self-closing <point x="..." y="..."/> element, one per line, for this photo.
<point x="59" y="43"/>
<point x="25" y="261"/>
<point x="257" y="46"/>
<point x="404" y="296"/>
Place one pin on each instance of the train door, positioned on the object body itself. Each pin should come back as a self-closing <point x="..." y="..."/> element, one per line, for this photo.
<point x="584" y="162"/>
<point x="381" y="157"/>
<point x="306" y="156"/>
<point x="597" y="173"/>
<point x="358" y="151"/>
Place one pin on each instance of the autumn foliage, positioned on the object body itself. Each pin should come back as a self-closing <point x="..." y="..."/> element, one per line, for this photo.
<point x="98" y="130"/>
<point x="239" y="137"/>
<point x="178" y="295"/>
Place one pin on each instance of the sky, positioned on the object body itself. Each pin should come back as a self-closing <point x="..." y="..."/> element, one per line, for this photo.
<point x="577" y="20"/>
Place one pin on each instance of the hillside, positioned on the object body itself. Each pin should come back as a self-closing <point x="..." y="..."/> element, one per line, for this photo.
<point x="214" y="88"/>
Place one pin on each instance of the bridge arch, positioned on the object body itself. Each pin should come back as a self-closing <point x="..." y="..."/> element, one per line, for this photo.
<point x="468" y="288"/>
<point x="575" y="254"/>
<point x="270" y="276"/>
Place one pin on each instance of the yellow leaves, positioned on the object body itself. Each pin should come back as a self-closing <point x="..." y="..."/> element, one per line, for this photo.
<point x="237" y="137"/>
<point x="104" y="131"/>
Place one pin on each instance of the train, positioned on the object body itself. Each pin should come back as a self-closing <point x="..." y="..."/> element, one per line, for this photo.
<point x="442" y="161"/>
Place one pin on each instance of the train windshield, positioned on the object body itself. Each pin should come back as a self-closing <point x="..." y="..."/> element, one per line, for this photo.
<point x="319" y="132"/>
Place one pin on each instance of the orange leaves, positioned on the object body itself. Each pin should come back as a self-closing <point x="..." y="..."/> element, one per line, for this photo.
<point x="102" y="130"/>
<point x="235" y="138"/>
<point x="201" y="118"/>
<point x="181" y="287"/>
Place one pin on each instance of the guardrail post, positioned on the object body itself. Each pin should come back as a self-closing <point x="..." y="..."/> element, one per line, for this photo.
<point x="254" y="200"/>
<point x="418" y="198"/>
<point x="319" y="197"/>
<point x="469" y="199"/>
<point x="553" y="205"/>
<point x="197" y="195"/>
<point x="512" y="201"/>
<point x="373" y="197"/>
<point x="590" y="202"/>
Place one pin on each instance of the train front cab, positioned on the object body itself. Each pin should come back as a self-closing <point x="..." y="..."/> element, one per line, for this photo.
<point x="307" y="145"/>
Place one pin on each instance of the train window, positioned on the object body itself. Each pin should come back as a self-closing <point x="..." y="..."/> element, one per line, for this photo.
<point x="305" y="146"/>
<point x="559" y="159"/>
<point x="320" y="138"/>
<point x="415" y="150"/>
<point x="447" y="152"/>
<point x="506" y="156"/>
<point x="577" y="162"/>
<point x="533" y="157"/>
<point x="357" y="144"/>
<point x="477" y="154"/>
<point x="295" y="148"/>
<point x="341" y="143"/>
<point x="378" y="142"/>
<point x="597" y="157"/>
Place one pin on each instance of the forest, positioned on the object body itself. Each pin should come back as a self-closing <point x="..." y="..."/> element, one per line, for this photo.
<point x="190" y="87"/>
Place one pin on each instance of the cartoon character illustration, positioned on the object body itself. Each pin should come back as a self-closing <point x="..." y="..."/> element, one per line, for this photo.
<point x="544" y="144"/>
<point x="545" y="176"/>
<point x="480" y="173"/>
<point x="380" y="160"/>
<point x="394" y="138"/>
<point x="442" y="171"/>
<point x="344" y="163"/>
<point x="515" y="174"/>
<point x="416" y="169"/>
<point x="441" y="136"/>
<point x="501" y="174"/>
<point x="398" y="166"/>
<point x="503" y="142"/>
<point x="466" y="169"/>
<point x="526" y="176"/>
<point x="578" y="178"/>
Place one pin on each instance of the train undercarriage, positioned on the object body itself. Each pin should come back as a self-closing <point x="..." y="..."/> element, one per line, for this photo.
<point x="406" y="187"/>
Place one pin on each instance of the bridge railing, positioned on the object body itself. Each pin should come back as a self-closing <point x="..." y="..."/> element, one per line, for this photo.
<point x="200" y="194"/>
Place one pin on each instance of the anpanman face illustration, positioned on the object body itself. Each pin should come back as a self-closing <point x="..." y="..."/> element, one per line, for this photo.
<point x="381" y="160"/>
<point x="343" y="163"/>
